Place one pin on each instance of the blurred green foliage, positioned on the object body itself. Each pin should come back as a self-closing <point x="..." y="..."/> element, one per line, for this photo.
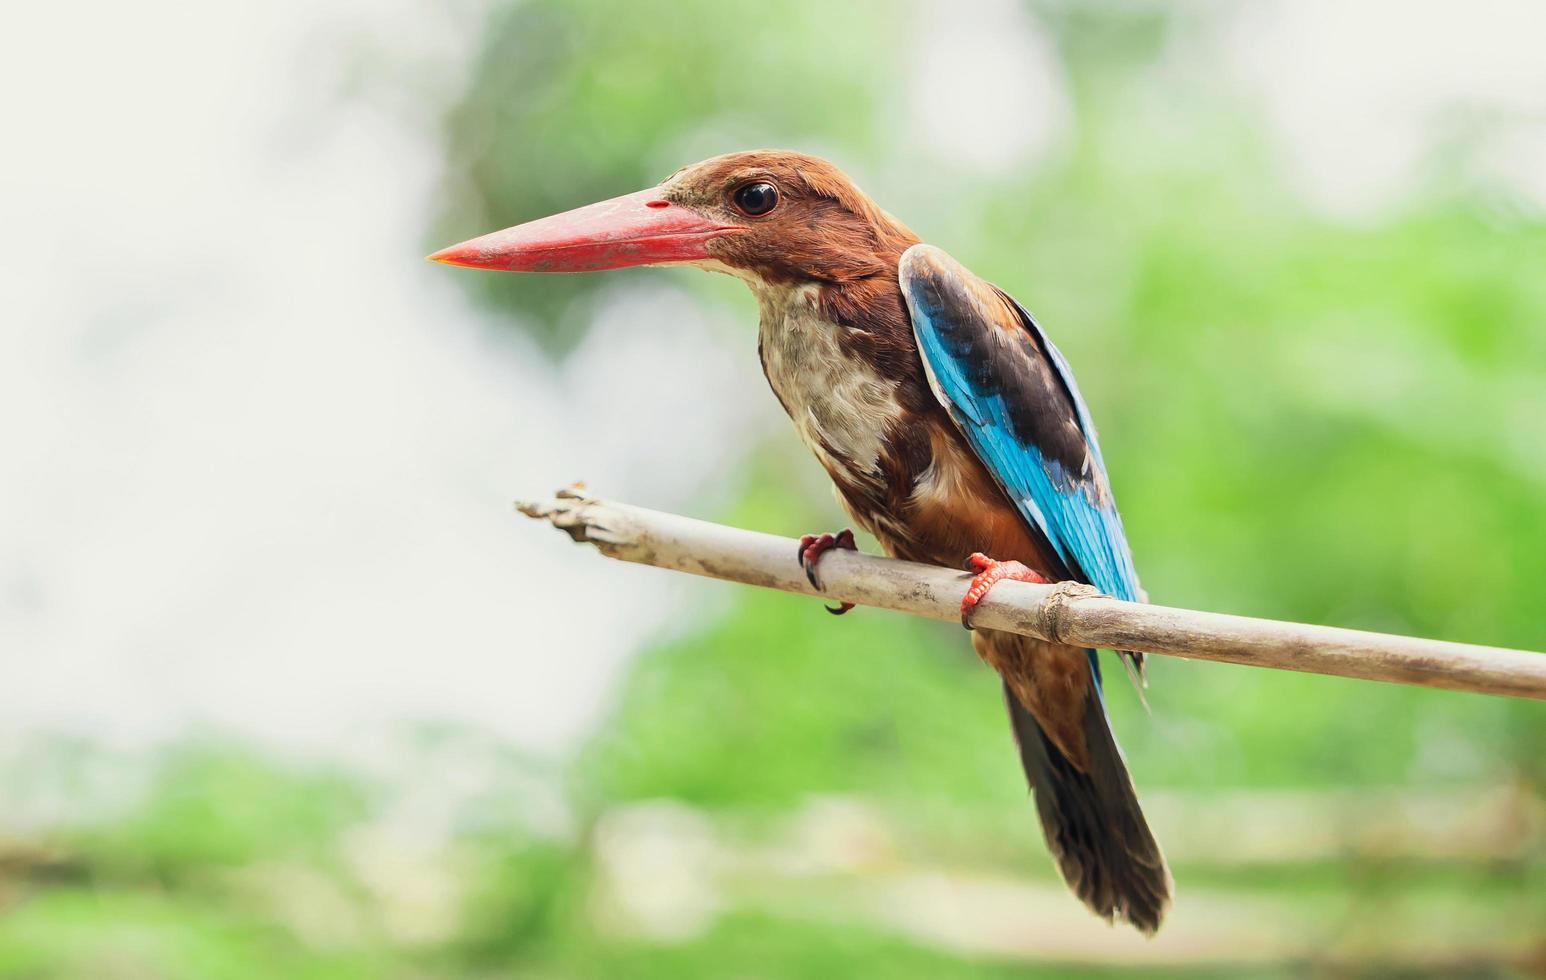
<point x="1304" y="419"/>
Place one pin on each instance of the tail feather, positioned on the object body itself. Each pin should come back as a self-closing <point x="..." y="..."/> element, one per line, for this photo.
<point x="1094" y="827"/>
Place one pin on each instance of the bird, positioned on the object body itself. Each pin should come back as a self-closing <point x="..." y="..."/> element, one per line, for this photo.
<point x="952" y="430"/>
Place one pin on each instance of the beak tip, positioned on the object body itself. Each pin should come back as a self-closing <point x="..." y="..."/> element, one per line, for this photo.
<point x="446" y="256"/>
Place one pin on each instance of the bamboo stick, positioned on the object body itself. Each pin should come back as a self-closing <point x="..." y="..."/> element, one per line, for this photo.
<point x="1066" y="612"/>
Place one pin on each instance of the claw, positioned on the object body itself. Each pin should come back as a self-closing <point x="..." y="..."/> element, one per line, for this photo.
<point x="813" y="546"/>
<point x="988" y="573"/>
<point x="802" y="555"/>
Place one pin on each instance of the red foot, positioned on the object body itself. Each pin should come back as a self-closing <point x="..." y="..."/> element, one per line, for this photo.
<point x="990" y="573"/>
<point x="813" y="546"/>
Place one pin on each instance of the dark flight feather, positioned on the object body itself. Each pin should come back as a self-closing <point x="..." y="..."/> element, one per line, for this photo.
<point x="1094" y="826"/>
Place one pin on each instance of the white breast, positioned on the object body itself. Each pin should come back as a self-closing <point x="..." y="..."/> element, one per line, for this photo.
<point x="837" y="403"/>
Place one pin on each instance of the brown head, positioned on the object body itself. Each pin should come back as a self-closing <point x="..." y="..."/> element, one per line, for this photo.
<point x="768" y="216"/>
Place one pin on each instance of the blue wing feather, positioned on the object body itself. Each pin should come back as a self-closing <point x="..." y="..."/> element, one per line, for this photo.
<point x="1104" y="556"/>
<point x="1015" y="400"/>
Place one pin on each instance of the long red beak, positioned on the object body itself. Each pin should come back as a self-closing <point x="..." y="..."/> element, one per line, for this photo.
<point x="635" y="229"/>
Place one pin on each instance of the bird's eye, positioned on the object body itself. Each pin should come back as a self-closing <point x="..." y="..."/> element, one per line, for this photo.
<point x="756" y="199"/>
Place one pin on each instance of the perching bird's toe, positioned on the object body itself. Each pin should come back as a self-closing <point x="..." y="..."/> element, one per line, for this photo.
<point x="988" y="573"/>
<point x="813" y="546"/>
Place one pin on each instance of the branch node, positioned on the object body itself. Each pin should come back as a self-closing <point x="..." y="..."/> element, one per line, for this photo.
<point x="1054" y="608"/>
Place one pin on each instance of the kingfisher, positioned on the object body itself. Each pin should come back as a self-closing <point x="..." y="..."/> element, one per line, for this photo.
<point x="952" y="430"/>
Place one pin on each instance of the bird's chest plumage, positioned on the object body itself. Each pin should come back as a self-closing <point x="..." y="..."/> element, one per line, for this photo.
<point x="899" y="466"/>
<point x="841" y="406"/>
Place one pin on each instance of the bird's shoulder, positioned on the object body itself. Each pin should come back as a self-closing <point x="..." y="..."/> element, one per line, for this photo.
<point x="934" y="280"/>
